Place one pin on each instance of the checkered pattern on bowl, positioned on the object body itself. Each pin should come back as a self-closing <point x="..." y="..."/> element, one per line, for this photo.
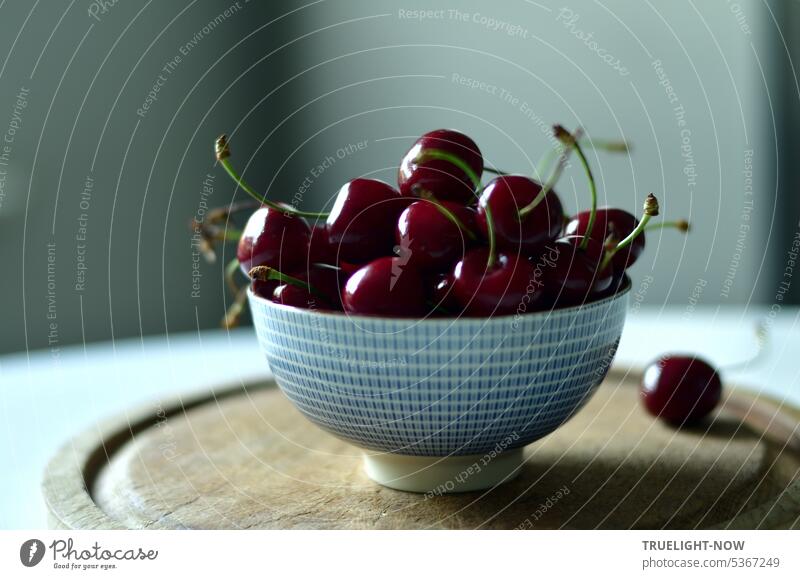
<point x="440" y="387"/>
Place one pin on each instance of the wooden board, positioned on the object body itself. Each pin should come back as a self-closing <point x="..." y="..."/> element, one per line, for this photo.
<point x="245" y="458"/>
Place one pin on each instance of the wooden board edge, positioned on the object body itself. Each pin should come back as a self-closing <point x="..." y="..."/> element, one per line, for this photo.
<point x="70" y="473"/>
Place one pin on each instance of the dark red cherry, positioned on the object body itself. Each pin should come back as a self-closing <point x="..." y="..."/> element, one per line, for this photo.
<point x="507" y="287"/>
<point x="680" y="389"/>
<point x="349" y="268"/>
<point x="320" y="249"/>
<point x="574" y="276"/>
<point x="430" y="240"/>
<point x="505" y="196"/>
<point x="362" y="222"/>
<point x="439" y="290"/>
<point x="274" y="239"/>
<point x="439" y="177"/>
<point x="264" y="288"/>
<point x="594" y="250"/>
<point x="327" y="281"/>
<point x="616" y="224"/>
<point x="298" y="297"/>
<point x="385" y="287"/>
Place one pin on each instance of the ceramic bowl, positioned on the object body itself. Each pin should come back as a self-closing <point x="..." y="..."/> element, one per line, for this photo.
<point x="440" y="405"/>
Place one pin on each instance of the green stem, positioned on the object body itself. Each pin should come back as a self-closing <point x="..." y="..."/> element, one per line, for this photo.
<point x="543" y="166"/>
<point x="428" y="196"/>
<point x="625" y="242"/>
<point x="234" y="312"/>
<point x="650" y="210"/>
<point x="266" y="273"/>
<point x="572" y="141"/>
<point x="491" y="235"/>
<point x="593" y="190"/>
<point x="607" y="145"/>
<point x="680" y="225"/>
<point x="428" y="154"/>
<point x="551" y="182"/>
<point x="439" y="154"/>
<point x="230" y="272"/>
<point x="223" y="153"/>
<point x="495" y="171"/>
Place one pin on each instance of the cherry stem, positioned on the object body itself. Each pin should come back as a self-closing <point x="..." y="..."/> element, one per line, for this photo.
<point x="650" y="210"/>
<point x="234" y="312"/>
<point x="231" y="319"/>
<point x="551" y="182"/>
<point x="607" y="145"/>
<point x="680" y="225"/>
<point x="544" y="163"/>
<point x="266" y="273"/>
<point x="428" y="154"/>
<point x="495" y="171"/>
<point x="439" y="154"/>
<point x="564" y="152"/>
<point x="230" y="272"/>
<point x="428" y="196"/>
<point x="560" y="151"/>
<point x="219" y="215"/>
<point x="223" y="152"/>
<point x="570" y="141"/>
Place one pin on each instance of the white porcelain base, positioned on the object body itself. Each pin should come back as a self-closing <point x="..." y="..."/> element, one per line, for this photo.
<point x="442" y="475"/>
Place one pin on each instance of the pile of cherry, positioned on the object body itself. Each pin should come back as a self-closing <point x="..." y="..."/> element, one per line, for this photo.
<point x="441" y="243"/>
<point x="444" y="244"/>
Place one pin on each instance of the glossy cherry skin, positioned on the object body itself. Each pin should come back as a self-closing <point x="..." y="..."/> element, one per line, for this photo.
<point x="572" y="276"/>
<point x="505" y="196"/>
<point x="327" y="281"/>
<point x="385" y="287"/>
<point x="680" y="389"/>
<point x="439" y="290"/>
<point x="320" y="249"/>
<point x="439" y="177"/>
<point x="292" y="295"/>
<point x="615" y="223"/>
<point x="362" y="222"/>
<point x="430" y="240"/>
<point x="594" y="250"/>
<point x="508" y="287"/>
<point x="274" y="239"/>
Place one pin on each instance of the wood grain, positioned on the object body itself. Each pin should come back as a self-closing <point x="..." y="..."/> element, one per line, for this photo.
<point x="245" y="458"/>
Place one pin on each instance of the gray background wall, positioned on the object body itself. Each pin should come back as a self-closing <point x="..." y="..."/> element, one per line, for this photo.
<point x="294" y="83"/>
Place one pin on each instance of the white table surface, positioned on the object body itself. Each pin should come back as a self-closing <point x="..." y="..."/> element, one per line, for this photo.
<point x="44" y="401"/>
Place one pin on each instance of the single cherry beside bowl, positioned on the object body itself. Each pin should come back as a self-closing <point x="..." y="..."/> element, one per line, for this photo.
<point x="442" y="179"/>
<point x="680" y="389"/>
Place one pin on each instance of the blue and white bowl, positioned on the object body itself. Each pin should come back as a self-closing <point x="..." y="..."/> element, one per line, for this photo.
<point x="441" y="404"/>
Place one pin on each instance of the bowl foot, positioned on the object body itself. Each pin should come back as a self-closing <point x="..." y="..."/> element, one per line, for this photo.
<point x="437" y="475"/>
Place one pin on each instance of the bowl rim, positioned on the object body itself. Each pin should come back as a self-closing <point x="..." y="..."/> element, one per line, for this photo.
<point x="541" y="315"/>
